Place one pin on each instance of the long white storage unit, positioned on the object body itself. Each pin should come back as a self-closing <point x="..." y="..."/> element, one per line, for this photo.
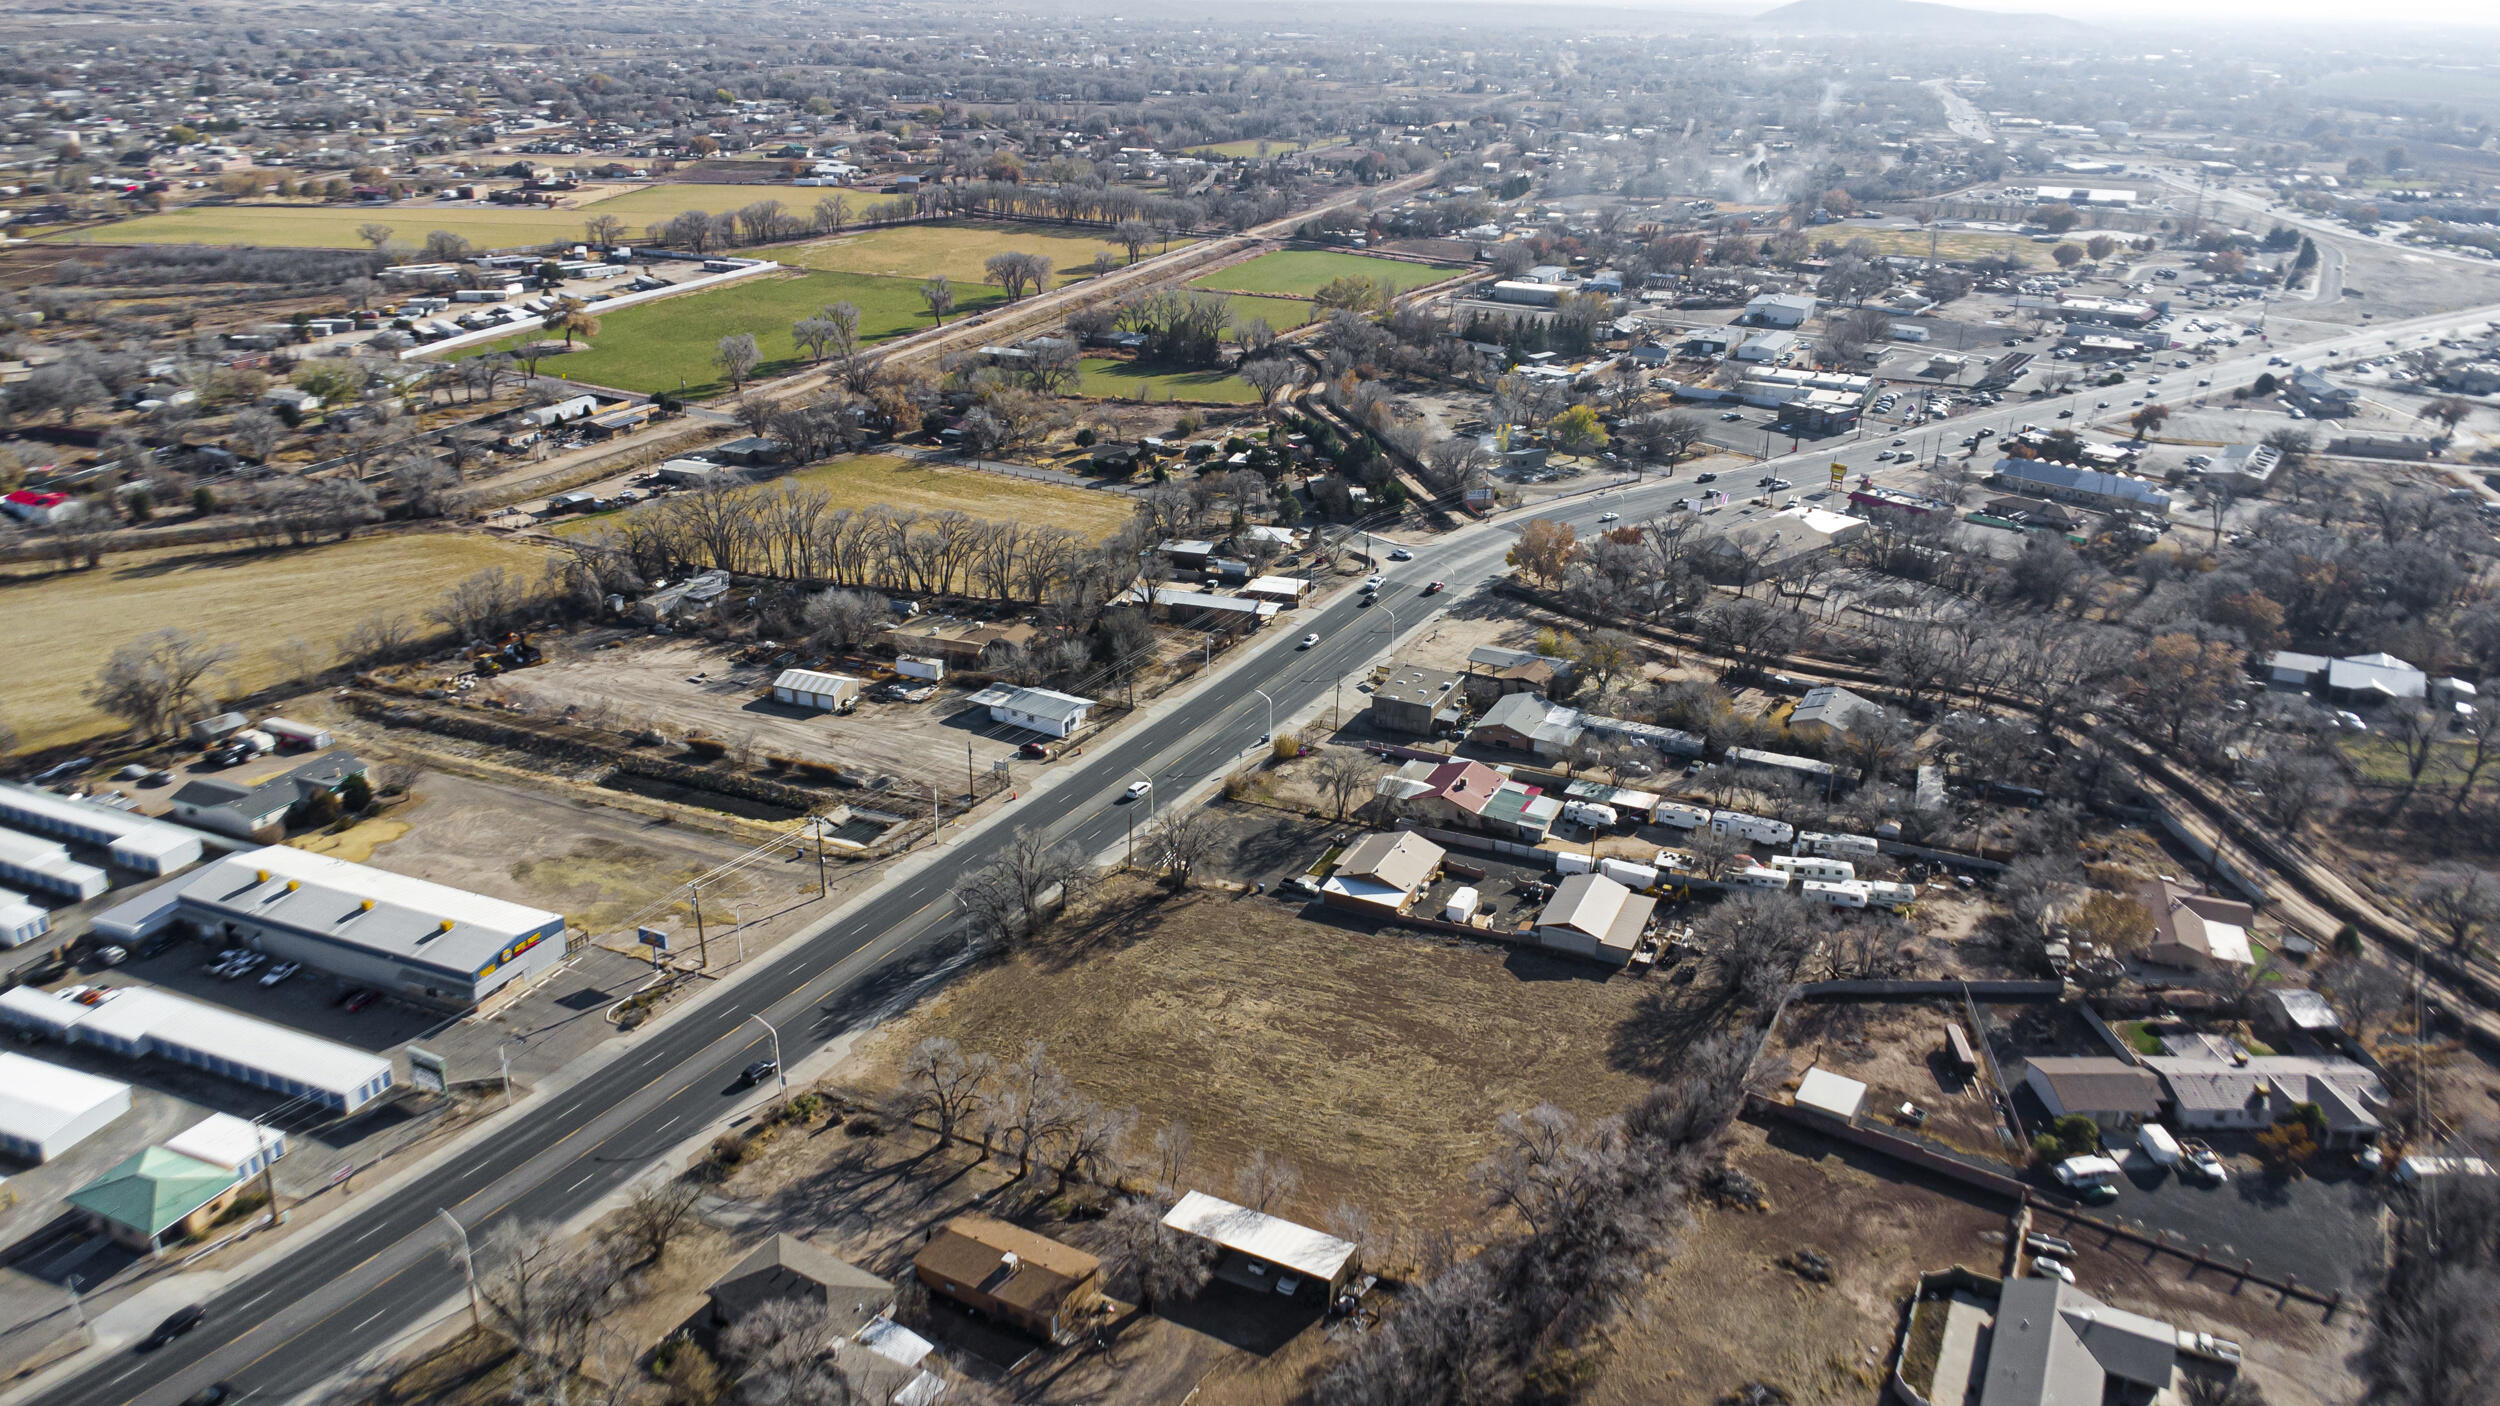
<point x="45" y="867"/>
<point x="138" y="1021"/>
<point x="135" y="842"/>
<point x="21" y="922"/>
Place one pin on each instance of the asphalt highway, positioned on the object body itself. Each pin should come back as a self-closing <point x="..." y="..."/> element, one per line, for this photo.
<point x="312" y="1313"/>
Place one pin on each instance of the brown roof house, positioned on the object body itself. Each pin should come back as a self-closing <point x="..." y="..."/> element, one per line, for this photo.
<point x="1382" y="872"/>
<point x="786" y="1267"/>
<point x="1011" y="1274"/>
<point x="2196" y="931"/>
<point x="2110" y="1092"/>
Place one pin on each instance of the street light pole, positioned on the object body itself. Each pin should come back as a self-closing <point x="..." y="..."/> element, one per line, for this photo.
<point x="780" y="1071"/>
<point x="468" y="1262"/>
<point x="77" y="1303"/>
<point x="1271" y="712"/>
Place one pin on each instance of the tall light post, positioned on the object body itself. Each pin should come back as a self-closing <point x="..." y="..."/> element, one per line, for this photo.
<point x="780" y="1071"/>
<point x="77" y="1303"/>
<point x="468" y="1262"/>
<point x="1271" y="712"/>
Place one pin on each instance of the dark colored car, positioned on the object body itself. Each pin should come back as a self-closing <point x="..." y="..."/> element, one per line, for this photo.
<point x="1033" y="751"/>
<point x="358" y="1000"/>
<point x="757" y="1073"/>
<point x="1434" y="589"/>
<point x="179" y="1322"/>
<point x="210" y="1395"/>
<point x="1707" y="478"/>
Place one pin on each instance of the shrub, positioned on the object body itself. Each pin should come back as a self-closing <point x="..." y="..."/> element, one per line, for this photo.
<point x="1188" y="424"/>
<point x="710" y="749"/>
<point x="356" y="794"/>
<point x="2077" y="1134"/>
<point x="1085" y="438"/>
<point x="818" y="771"/>
<point x="2046" y="1148"/>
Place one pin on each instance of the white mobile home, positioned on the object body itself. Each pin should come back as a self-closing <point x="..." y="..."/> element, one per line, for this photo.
<point x="1807" y="866"/>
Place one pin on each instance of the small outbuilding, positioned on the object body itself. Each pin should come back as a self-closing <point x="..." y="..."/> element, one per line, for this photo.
<point x="1591" y="915"/>
<point x="809" y="688"/>
<point x="786" y="1267"/>
<point x="1266" y="1253"/>
<point x="1833" y="1096"/>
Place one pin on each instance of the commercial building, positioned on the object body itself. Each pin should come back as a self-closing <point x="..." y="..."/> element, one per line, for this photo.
<point x="1467" y="795"/>
<point x="1382" y="872"/>
<point x="2109" y="1091"/>
<point x="1820" y="413"/>
<point x="1418" y="701"/>
<point x="135" y="842"/>
<point x="45" y="1110"/>
<point x="1591" y="915"/>
<point x="2319" y="396"/>
<point x="1027" y="1280"/>
<point x="2246" y="468"/>
<point x="810" y="688"/>
<point x="157" y="1198"/>
<point x="2095" y="488"/>
<point x="1779" y="310"/>
<point x="1267" y="1253"/>
<point x="44" y="866"/>
<point x="139" y="1022"/>
<point x="1042" y="710"/>
<point x="1205" y="610"/>
<point x="260" y="812"/>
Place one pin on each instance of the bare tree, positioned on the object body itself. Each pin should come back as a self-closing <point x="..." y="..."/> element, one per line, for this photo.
<point x="1014" y="895"/>
<point x="943" y="1082"/>
<point x="153" y="682"/>
<point x="1032" y="1105"/>
<point x="1151" y="1261"/>
<point x="2461" y="901"/>
<point x="546" y="1296"/>
<point x="655" y="1214"/>
<point x="1342" y="776"/>
<point x="1172" y="1147"/>
<point x="1177" y="840"/>
<point x="736" y="355"/>
<point x="779" y="1349"/>
<point x="1266" y="1179"/>
<point x="938" y="296"/>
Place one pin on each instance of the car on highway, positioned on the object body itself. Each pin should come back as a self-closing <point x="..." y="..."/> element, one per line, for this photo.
<point x="1733" y="415"/>
<point x="756" y="1073"/>
<point x="1137" y="788"/>
<point x="2065" y="414"/>
<point x="1434" y="588"/>
<point x="182" y="1320"/>
<point x="1706" y="478"/>
<point x="1778" y="484"/>
<point x="212" y="1394"/>
<point x="1373" y="581"/>
<point x="1899" y="442"/>
<point x="1401" y="554"/>
<point x="1308" y="641"/>
<point x="1610" y="517"/>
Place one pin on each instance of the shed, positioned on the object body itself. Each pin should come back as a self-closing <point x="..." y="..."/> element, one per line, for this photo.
<point x="808" y="688"/>
<point x="1264" y="1252"/>
<point x="1834" y="1096"/>
<point x="21" y="921"/>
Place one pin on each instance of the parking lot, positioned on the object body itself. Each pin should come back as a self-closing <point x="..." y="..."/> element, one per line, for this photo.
<point x="2324" y="1228"/>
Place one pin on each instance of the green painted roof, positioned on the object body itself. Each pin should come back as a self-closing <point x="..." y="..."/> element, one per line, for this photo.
<point x="153" y="1190"/>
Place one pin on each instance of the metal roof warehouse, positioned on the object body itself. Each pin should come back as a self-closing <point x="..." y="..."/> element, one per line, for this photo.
<point x="420" y="940"/>
<point x="135" y="842"/>
<point x="138" y="1021"/>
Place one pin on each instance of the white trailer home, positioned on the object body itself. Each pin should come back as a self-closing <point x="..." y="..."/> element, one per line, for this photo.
<point x="1759" y="829"/>
<point x="1808" y="866"/>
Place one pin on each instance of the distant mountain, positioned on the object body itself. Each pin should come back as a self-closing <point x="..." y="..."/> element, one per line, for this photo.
<point x="1908" y="17"/>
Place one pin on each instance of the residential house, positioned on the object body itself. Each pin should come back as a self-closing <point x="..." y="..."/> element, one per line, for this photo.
<point x="2208" y="1092"/>
<point x="962" y="643"/>
<point x="1829" y="711"/>
<point x="2038" y="514"/>
<point x="1418" y="701"/>
<point x="1591" y="915"/>
<point x="1524" y="722"/>
<point x="259" y="812"/>
<point x="1204" y="610"/>
<point x="1468" y="795"/>
<point x="2196" y="931"/>
<point x="1382" y="872"/>
<point x="786" y="1267"/>
<point x="2374" y="678"/>
<point x="2055" y="1345"/>
<point x="1020" y="1278"/>
<point x="1495" y="672"/>
<point x="2109" y="1091"/>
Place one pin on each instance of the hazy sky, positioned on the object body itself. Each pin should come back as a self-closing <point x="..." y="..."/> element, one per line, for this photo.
<point x="2377" y="14"/>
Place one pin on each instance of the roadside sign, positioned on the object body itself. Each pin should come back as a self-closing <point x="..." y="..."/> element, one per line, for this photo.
<point x="652" y="938"/>
<point x="1840" y="473"/>
<point x="342" y="1174"/>
<point x="428" y="1070"/>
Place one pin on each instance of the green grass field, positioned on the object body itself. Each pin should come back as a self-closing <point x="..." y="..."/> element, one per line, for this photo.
<point x="668" y="345"/>
<point x="956" y="250"/>
<point x="1298" y="273"/>
<point x="1281" y="314"/>
<point x="1123" y="380"/>
<point x="66" y="624"/>
<point x="882" y="480"/>
<point x="486" y="226"/>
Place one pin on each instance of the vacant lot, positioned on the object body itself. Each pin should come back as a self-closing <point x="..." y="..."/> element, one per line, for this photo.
<point x="1376" y="1062"/>
<point x="1897" y="1051"/>
<point x="1250" y="147"/>
<point x="1950" y="244"/>
<point x="1726" y="1311"/>
<point x="910" y="485"/>
<point x="686" y="686"/>
<point x="486" y="226"/>
<point x="1126" y="380"/>
<point x="63" y="626"/>
<point x="955" y="250"/>
<point x="669" y="345"/>
<point x="1298" y="273"/>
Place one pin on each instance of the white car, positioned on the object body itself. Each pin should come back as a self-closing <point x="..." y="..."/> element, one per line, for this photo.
<point x="1610" y="517"/>
<point x="1137" y="788"/>
<point x="1372" y="582"/>
<point x="281" y="972"/>
<point x="1401" y="554"/>
<point x="2045" y="1268"/>
<point x="1308" y="641"/>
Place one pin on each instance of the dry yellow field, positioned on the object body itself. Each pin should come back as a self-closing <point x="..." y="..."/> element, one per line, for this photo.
<point x="881" y="480"/>
<point x="62" y="627"/>
<point x="956" y="250"/>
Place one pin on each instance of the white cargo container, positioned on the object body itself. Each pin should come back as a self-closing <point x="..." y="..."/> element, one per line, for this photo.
<point x="1840" y="846"/>
<point x="1683" y="817"/>
<point x="912" y="666"/>
<point x="1461" y="907"/>
<point x="1885" y="894"/>
<point x="1640" y="878"/>
<point x="1759" y="829"/>
<point x="1756" y="878"/>
<point x="1590" y="813"/>
<point x="291" y="733"/>
<point x="1572" y="862"/>
<point x="1810" y="866"/>
<point x="1841" y="893"/>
